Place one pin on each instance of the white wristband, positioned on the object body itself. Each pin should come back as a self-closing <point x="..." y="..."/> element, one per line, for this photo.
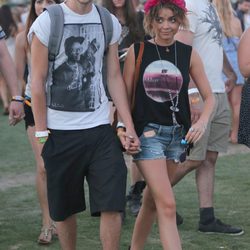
<point x="120" y="125"/>
<point x="193" y="91"/>
<point x="39" y="134"/>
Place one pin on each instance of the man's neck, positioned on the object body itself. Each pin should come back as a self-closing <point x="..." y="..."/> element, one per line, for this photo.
<point x="80" y="7"/>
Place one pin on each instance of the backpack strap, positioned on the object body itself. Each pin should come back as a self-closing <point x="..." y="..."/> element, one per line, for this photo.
<point x="137" y="71"/>
<point x="56" y="29"/>
<point x="107" y="24"/>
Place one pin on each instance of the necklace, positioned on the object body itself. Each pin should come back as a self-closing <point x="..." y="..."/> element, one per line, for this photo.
<point x="174" y="106"/>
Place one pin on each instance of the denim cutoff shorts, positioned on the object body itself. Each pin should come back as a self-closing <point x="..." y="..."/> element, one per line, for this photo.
<point x="159" y="141"/>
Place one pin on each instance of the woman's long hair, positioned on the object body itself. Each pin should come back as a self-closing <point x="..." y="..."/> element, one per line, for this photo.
<point x="7" y="21"/>
<point x="130" y="17"/>
<point x="225" y="12"/>
<point x="32" y="16"/>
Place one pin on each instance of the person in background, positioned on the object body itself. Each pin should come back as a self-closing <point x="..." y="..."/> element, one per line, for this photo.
<point x="231" y="35"/>
<point x="132" y="31"/>
<point x="7" y="69"/>
<point x="10" y="28"/>
<point x="242" y="11"/>
<point x="244" y="64"/>
<point x="161" y="114"/>
<point x="205" y="34"/>
<point x="22" y="58"/>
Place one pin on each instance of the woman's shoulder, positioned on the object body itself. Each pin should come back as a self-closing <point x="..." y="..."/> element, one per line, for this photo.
<point x="183" y="45"/>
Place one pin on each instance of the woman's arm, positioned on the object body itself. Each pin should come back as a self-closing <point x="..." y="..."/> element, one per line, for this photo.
<point x="244" y="54"/>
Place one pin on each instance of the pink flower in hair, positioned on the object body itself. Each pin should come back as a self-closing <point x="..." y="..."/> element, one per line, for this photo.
<point x="151" y="3"/>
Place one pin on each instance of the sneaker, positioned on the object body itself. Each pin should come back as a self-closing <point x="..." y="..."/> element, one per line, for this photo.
<point x="134" y="197"/>
<point x="217" y="226"/>
<point x="179" y="219"/>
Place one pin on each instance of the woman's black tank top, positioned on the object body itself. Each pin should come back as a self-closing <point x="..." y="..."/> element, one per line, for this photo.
<point x="158" y="81"/>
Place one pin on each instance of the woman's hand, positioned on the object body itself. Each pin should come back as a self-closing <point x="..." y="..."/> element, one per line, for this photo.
<point x="196" y="132"/>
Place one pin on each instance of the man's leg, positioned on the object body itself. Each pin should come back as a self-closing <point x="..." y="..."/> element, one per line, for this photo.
<point x="205" y="179"/>
<point x="205" y="185"/>
<point x="67" y="233"/>
<point x="110" y="230"/>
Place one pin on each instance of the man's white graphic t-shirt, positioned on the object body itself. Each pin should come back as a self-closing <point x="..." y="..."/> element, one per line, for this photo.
<point x="204" y="23"/>
<point x="74" y="83"/>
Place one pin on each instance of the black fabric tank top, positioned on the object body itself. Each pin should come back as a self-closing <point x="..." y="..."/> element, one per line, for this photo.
<point x="158" y="81"/>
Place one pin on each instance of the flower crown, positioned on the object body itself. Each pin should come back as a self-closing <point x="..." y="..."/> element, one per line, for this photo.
<point x="151" y="3"/>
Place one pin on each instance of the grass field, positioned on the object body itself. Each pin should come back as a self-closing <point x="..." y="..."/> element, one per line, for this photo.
<point x="20" y="215"/>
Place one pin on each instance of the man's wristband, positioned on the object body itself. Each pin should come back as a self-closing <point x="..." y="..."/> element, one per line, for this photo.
<point x="193" y="91"/>
<point x="120" y="125"/>
<point x="42" y="140"/>
<point x="40" y="134"/>
<point x="17" y="98"/>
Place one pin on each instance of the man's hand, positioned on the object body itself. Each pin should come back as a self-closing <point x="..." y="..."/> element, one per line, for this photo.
<point x="230" y="83"/>
<point x="16" y="112"/>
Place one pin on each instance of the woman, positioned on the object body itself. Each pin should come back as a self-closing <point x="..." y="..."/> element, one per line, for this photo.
<point x="244" y="64"/>
<point x="232" y="32"/>
<point x="161" y="114"/>
<point x="131" y="22"/>
<point x="132" y="31"/>
<point x="10" y="28"/>
<point x="22" y="59"/>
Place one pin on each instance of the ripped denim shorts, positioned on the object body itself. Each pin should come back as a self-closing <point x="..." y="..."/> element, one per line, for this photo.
<point x="159" y="141"/>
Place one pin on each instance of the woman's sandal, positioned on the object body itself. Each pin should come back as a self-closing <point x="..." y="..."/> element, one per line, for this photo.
<point x="45" y="236"/>
<point x="53" y="228"/>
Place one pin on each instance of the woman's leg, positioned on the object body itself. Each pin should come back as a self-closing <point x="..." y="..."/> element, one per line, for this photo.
<point x="156" y="176"/>
<point x="41" y="180"/>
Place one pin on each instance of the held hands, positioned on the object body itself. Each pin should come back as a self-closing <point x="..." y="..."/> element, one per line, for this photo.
<point x="129" y="141"/>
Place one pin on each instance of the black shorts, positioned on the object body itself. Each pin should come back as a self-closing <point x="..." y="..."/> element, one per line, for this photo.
<point x="29" y="118"/>
<point x="69" y="157"/>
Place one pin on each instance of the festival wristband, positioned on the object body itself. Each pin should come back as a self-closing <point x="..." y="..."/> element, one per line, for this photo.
<point x="41" y="134"/>
<point x="42" y="139"/>
<point x="17" y="98"/>
<point x="120" y="125"/>
<point x="193" y="91"/>
<point x="14" y="100"/>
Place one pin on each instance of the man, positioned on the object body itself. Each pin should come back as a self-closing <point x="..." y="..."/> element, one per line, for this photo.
<point x="81" y="143"/>
<point x="205" y="35"/>
<point x="7" y="69"/>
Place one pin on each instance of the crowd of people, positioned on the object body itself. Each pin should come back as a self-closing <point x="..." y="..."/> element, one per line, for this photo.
<point x="178" y="89"/>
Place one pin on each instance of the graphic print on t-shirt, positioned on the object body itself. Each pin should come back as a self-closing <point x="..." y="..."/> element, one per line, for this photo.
<point x="162" y="81"/>
<point x="77" y="77"/>
<point x="214" y="27"/>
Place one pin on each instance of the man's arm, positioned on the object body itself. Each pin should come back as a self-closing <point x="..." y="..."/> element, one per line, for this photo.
<point x="39" y="65"/>
<point x="118" y="92"/>
<point x="8" y="71"/>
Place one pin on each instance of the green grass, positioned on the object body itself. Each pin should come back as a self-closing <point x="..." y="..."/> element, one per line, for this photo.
<point x="20" y="215"/>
